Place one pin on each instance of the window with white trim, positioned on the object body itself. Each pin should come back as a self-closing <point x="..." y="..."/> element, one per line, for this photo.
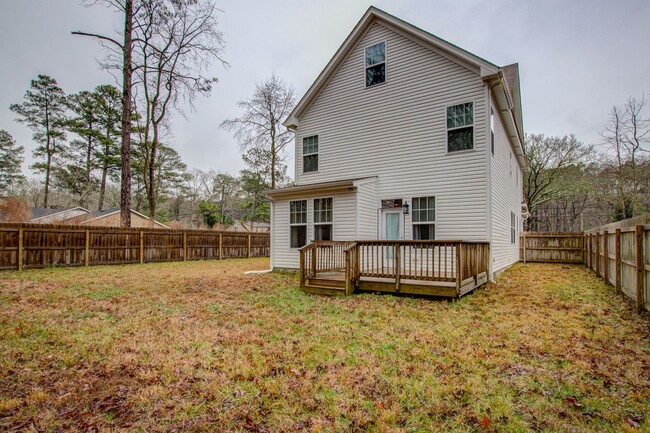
<point x="492" y="129"/>
<point x="376" y="64"/>
<point x="423" y="217"/>
<point x="460" y="127"/>
<point x="323" y="219"/>
<point x="310" y="154"/>
<point x="298" y="223"/>
<point x="513" y="228"/>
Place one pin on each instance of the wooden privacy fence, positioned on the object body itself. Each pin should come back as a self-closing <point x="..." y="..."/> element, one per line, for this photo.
<point x="25" y="245"/>
<point x="551" y="247"/>
<point x="621" y="256"/>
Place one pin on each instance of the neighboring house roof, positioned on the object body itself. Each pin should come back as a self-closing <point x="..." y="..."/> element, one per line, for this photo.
<point x="40" y="212"/>
<point x="106" y="212"/>
<point x="504" y="81"/>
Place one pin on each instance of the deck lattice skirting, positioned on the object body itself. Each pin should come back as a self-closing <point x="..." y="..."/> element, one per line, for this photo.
<point x="437" y="268"/>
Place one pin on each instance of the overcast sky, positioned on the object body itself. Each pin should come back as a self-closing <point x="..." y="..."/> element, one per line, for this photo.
<point x="577" y="58"/>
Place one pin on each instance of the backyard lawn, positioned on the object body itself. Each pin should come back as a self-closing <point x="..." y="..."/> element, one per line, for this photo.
<point x="198" y="346"/>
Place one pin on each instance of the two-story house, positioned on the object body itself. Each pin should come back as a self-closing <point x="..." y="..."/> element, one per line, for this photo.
<point x="404" y="136"/>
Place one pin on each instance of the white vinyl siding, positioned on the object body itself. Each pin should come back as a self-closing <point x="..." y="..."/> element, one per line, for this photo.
<point x="344" y="221"/>
<point x="367" y="210"/>
<point x="506" y="197"/>
<point x="402" y="139"/>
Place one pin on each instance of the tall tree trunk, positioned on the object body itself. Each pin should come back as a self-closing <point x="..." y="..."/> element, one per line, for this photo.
<point x="151" y="173"/>
<point x="48" y="165"/>
<point x="102" y="188"/>
<point x="125" y="194"/>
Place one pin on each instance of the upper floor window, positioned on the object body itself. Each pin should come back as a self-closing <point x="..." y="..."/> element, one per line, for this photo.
<point x="513" y="228"/>
<point x="310" y="154"/>
<point x="460" y="127"/>
<point x="424" y="218"/>
<point x="376" y="64"/>
<point x="298" y="223"/>
<point x="323" y="219"/>
<point x="492" y="130"/>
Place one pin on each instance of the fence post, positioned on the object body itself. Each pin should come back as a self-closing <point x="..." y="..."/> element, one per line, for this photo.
<point x="524" y="245"/>
<point x="87" y="250"/>
<point x="640" y="271"/>
<point x="598" y="254"/>
<point x="618" y="260"/>
<point x="184" y="246"/>
<point x="141" y="246"/>
<point x="220" y="245"/>
<point x="249" y="246"/>
<point x="584" y="249"/>
<point x="606" y="255"/>
<point x="21" y="240"/>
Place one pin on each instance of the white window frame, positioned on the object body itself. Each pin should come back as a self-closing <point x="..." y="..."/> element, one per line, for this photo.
<point x="435" y="215"/>
<point x="513" y="229"/>
<point x="473" y="126"/>
<point x="321" y="223"/>
<point x="492" y="131"/>
<point x="385" y="62"/>
<point x="299" y="224"/>
<point x="317" y="153"/>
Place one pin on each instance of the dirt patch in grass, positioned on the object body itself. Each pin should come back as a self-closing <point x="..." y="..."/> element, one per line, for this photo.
<point x="200" y="347"/>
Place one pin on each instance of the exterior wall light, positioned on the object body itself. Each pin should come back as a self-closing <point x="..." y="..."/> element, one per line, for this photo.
<point x="405" y="208"/>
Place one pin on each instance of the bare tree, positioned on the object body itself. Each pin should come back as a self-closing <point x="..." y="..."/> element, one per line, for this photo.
<point x="627" y="136"/>
<point x="260" y="126"/>
<point x="548" y="157"/>
<point x="125" y="49"/>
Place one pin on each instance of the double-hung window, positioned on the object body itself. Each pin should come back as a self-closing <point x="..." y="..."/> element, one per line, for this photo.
<point x="460" y="127"/>
<point x="376" y="64"/>
<point x="323" y="219"/>
<point x="424" y="218"/>
<point x="310" y="154"/>
<point x="298" y="223"/>
<point x="513" y="228"/>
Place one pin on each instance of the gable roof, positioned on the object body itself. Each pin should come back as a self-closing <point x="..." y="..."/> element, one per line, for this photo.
<point x="506" y="78"/>
<point x="40" y="212"/>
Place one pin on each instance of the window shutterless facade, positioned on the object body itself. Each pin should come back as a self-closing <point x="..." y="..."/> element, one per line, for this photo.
<point x="460" y="127"/>
<point x="375" y="64"/>
<point x="513" y="228"/>
<point x="310" y="154"/>
<point x="298" y="223"/>
<point x="423" y="217"/>
<point x="323" y="219"/>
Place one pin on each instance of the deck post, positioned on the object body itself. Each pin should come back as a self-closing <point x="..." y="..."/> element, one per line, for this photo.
<point x="398" y="262"/>
<point x="302" y="267"/>
<point x="640" y="271"/>
<point x="21" y="241"/>
<point x="606" y="254"/>
<point x="347" y="274"/>
<point x="618" y="260"/>
<point x="459" y="265"/>
<point x="357" y="266"/>
<point x="313" y="259"/>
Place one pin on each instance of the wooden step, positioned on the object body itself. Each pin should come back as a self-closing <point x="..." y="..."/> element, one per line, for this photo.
<point x="321" y="290"/>
<point x="324" y="282"/>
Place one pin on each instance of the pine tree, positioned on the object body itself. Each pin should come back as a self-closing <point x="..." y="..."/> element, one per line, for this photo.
<point x="11" y="159"/>
<point x="44" y="112"/>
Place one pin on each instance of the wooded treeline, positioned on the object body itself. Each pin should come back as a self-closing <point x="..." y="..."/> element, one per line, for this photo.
<point x="572" y="186"/>
<point x="108" y="147"/>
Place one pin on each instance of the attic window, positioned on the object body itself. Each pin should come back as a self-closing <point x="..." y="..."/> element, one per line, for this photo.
<point x="376" y="64"/>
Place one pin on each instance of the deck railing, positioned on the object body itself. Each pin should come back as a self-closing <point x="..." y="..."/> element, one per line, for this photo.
<point x="431" y="261"/>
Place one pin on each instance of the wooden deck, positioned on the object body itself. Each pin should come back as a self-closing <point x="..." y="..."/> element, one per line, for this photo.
<point x="434" y="268"/>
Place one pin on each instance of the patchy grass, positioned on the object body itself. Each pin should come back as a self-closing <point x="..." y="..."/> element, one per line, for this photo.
<point x="200" y="347"/>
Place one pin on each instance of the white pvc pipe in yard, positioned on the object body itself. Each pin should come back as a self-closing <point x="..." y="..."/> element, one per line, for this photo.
<point x="266" y="271"/>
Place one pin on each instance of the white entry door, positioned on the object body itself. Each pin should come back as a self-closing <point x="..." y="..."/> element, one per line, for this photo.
<point x="391" y="226"/>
